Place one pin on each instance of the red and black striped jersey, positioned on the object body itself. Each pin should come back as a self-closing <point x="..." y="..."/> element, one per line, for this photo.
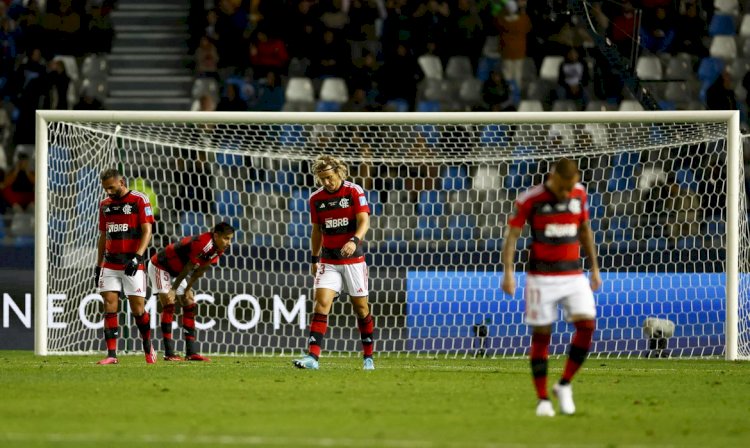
<point x="336" y="214"/>
<point x="121" y="219"/>
<point x="555" y="247"/>
<point x="199" y="250"/>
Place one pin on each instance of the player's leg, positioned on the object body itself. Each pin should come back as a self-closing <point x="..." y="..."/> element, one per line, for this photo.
<point x="328" y="284"/>
<point x="110" y="286"/>
<point x="356" y="280"/>
<point x="135" y="288"/>
<point x="540" y="313"/>
<point x="579" y="309"/>
<point x="161" y="282"/>
<point x="189" y="310"/>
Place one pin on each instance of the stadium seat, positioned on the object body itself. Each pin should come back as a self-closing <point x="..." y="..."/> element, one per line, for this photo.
<point x="722" y="25"/>
<point x="431" y="66"/>
<point x="727" y="7"/>
<point x="564" y="106"/>
<point x="710" y="69"/>
<point x="431" y="202"/>
<point x="530" y="106"/>
<point x="327" y="106"/>
<point x="485" y="66"/>
<point x="397" y="105"/>
<point x="679" y="68"/>
<point x="600" y="106"/>
<point x="723" y="47"/>
<point x="678" y="91"/>
<point x="458" y="68"/>
<point x="299" y="90"/>
<point x="454" y="177"/>
<point x="744" y="30"/>
<point x="334" y="90"/>
<point x="630" y="105"/>
<point x="470" y="93"/>
<point x="428" y="106"/>
<point x="539" y="90"/>
<point x="550" y="68"/>
<point x="649" y="68"/>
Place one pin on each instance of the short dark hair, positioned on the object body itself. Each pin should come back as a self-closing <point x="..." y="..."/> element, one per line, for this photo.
<point x="222" y="228"/>
<point x="109" y="173"/>
<point x="566" y="168"/>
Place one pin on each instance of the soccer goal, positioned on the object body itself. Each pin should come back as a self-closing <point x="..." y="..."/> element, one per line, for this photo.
<point x="666" y="195"/>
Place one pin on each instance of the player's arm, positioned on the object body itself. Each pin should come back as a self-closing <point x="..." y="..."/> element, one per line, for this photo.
<point x="363" y="225"/>
<point x="186" y="270"/>
<point x="101" y="244"/>
<point x="508" y="258"/>
<point x="197" y="274"/>
<point x="132" y="266"/>
<point x="586" y="237"/>
<point x="316" y="242"/>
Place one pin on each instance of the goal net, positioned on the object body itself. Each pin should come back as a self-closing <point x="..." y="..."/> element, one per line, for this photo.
<point x="666" y="197"/>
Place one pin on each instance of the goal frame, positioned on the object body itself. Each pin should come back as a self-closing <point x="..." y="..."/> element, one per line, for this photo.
<point x="731" y="118"/>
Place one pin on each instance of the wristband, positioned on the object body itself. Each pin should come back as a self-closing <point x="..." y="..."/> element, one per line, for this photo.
<point x="355" y="240"/>
<point x="314" y="259"/>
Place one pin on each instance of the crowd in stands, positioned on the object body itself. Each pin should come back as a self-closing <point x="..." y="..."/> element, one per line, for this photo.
<point x="384" y="55"/>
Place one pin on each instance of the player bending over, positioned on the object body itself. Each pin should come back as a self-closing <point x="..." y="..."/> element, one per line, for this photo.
<point x="169" y="271"/>
<point x="558" y="215"/>
<point x="125" y="220"/>
<point x="340" y="217"/>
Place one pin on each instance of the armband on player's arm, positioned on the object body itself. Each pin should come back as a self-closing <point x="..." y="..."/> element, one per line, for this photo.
<point x="314" y="259"/>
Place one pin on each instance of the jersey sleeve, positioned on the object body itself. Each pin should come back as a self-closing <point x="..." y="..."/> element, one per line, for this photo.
<point x="520" y="214"/>
<point x="313" y="213"/>
<point x="360" y="201"/>
<point x="146" y="213"/>
<point x="102" y="224"/>
<point x="197" y="246"/>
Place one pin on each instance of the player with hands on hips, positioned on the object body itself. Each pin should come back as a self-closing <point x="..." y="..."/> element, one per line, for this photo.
<point x="173" y="271"/>
<point x="558" y="215"/>
<point x="340" y="218"/>
<point x="125" y="220"/>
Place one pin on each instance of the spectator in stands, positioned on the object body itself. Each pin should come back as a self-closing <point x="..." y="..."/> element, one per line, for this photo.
<point x="684" y="208"/>
<point x="30" y="26"/>
<point x="269" y="94"/>
<point x="622" y="28"/>
<point x="720" y="96"/>
<point x="690" y="29"/>
<point x="332" y="56"/>
<point x="31" y="88"/>
<point x="400" y="75"/>
<point x="63" y="26"/>
<point x="496" y="93"/>
<point x="434" y="23"/>
<point x="358" y="102"/>
<point x="360" y="29"/>
<point x="207" y="59"/>
<point x="18" y="189"/>
<point x="304" y="31"/>
<point x="231" y="101"/>
<point x="513" y="25"/>
<point x="101" y="31"/>
<point x="88" y="101"/>
<point x="573" y="78"/>
<point x="397" y="26"/>
<point x="267" y="53"/>
<point x="657" y="31"/>
<point x="59" y="81"/>
<point x="365" y="75"/>
<point x="8" y="48"/>
<point x="468" y="35"/>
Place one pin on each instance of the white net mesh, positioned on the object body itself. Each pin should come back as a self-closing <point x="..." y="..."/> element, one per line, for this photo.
<point x="440" y="196"/>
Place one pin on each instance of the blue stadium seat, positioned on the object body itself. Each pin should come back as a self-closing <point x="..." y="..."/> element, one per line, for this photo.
<point x="515" y="92"/>
<point x="228" y="203"/>
<point x="667" y="105"/>
<point x="454" y="177"/>
<point x="431" y="202"/>
<point x="428" y="106"/>
<point x="429" y="132"/>
<point x="485" y="67"/>
<point x="710" y="69"/>
<point x="327" y="106"/>
<point x="292" y="135"/>
<point x="192" y="223"/>
<point x="495" y="135"/>
<point x="722" y="24"/>
<point x="397" y="105"/>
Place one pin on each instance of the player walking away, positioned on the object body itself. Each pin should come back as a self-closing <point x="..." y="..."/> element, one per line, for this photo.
<point x="558" y="215"/>
<point x="169" y="271"/>
<point x="125" y="220"/>
<point x="340" y="217"/>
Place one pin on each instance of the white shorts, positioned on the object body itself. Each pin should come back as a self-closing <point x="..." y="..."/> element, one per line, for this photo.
<point x="543" y="292"/>
<point x="114" y="280"/>
<point x="348" y="278"/>
<point x="161" y="281"/>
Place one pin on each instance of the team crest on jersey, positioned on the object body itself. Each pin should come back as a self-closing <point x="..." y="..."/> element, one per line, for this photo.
<point x="344" y="203"/>
<point x="127" y="209"/>
<point x="574" y="206"/>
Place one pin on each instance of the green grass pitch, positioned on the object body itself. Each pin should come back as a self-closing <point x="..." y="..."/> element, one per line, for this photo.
<point x="68" y="401"/>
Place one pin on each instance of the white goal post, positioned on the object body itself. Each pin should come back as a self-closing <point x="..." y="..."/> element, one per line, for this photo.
<point x="666" y="195"/>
